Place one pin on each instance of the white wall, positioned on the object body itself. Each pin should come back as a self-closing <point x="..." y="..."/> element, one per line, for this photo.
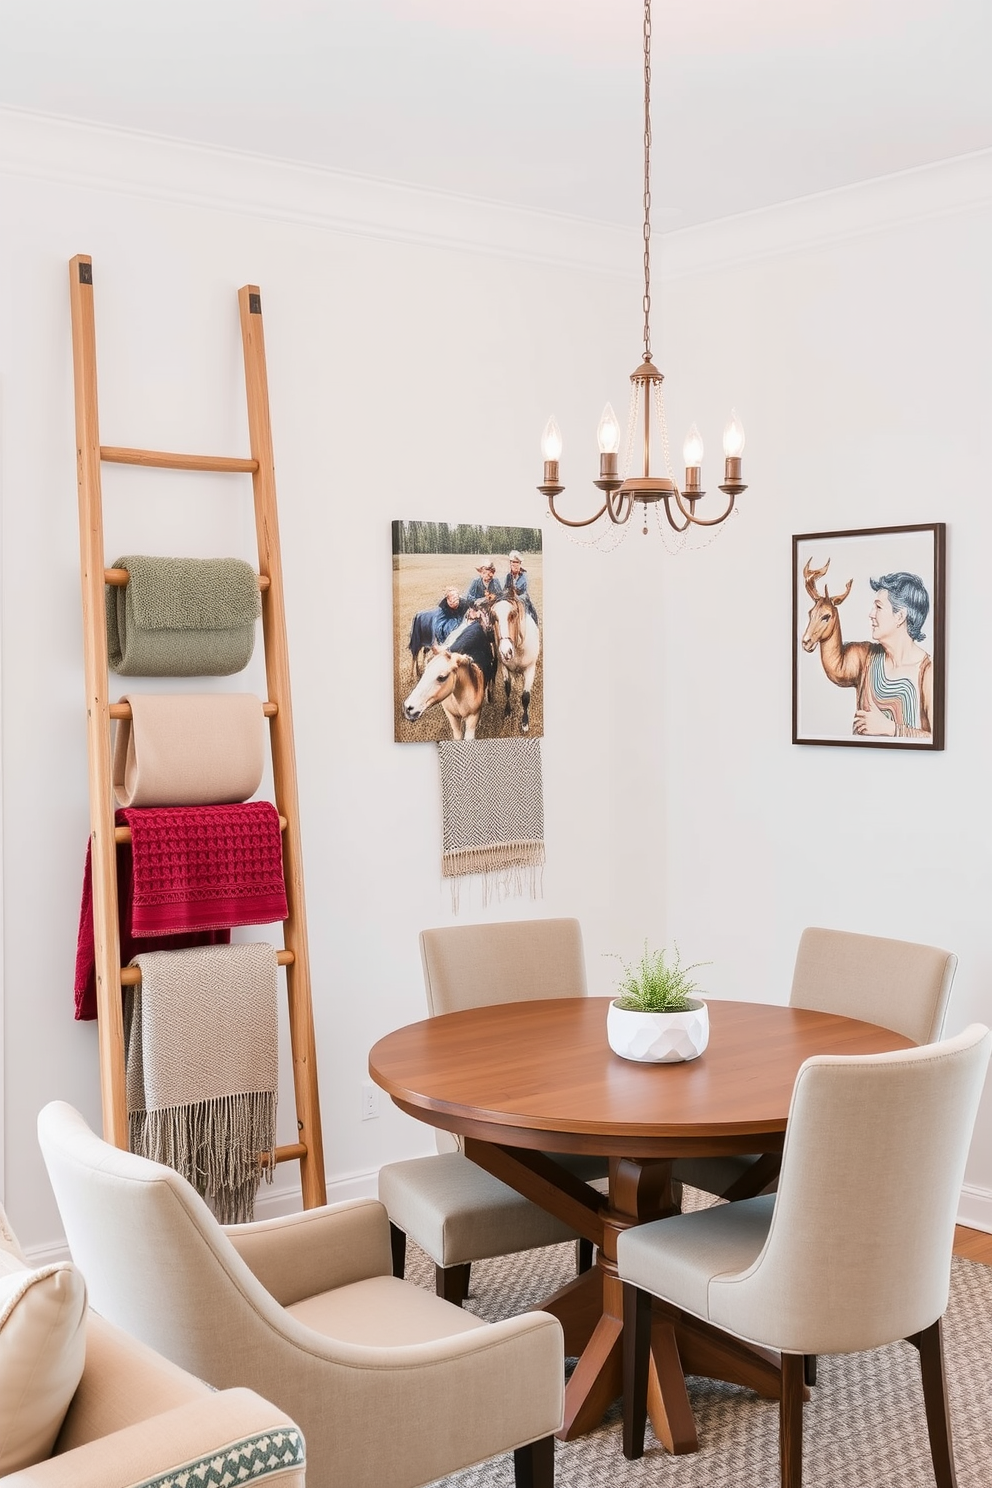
<point x="853" y="332"/>
<point x="416" y="344"/>
<point x="411" y="359"/>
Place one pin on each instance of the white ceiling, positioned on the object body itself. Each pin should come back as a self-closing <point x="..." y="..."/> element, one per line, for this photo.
<point x="535" y="102"/>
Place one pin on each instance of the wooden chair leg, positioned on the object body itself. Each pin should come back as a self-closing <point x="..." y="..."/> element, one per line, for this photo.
<point x="931" y="1351"/>
<point x="397" y="1246"/>
<point x="583" y="1255"/>
<point x="636" y="1358"/>
<point x="809" y="1369"/>
<point x="534" y="1465"/>
<point x="451" y="1282"/>
<point x="790" y="1421"/>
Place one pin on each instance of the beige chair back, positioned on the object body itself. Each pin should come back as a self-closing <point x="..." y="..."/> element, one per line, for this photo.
<point x="894" y="983"/>
<point x="859" y="1249"/>
<point x="468" y="966"/>
<point x="157" y="1263"/>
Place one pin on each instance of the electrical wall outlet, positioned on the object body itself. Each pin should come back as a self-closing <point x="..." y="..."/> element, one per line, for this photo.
<point x="370" y="1100"/>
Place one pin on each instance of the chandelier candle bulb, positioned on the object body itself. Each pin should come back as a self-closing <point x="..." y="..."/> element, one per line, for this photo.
<point x="551" y="442"/>
<point x="692" y="453"/>
<point x="733" y="437"/>
<point x="608" y="433"/>
<point x="551" y="450"/>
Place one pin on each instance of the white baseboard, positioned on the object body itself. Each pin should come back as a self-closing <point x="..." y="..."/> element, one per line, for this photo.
<point x="272" y="1202"/>
<point x="975" y="1209"/>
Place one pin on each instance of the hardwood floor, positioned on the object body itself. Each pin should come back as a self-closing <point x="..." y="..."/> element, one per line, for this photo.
<point x="973" y="1245"/>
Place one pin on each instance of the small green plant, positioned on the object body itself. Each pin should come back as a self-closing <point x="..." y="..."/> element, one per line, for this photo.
<point x="655" y="985"/>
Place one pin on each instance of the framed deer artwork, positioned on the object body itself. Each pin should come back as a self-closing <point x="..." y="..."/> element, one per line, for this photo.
<point x="868" y="637"/>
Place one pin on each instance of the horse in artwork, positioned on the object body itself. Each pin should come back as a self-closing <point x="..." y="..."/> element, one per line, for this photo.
<point x="458" y="676"/>
<point x="518" y="646"/>
<point x="421" y="639"/>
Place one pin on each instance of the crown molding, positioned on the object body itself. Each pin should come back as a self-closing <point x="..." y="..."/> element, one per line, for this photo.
<point x="92" y="157"/>
<point x="50" y="148"/>
<point x="883" y="204"/>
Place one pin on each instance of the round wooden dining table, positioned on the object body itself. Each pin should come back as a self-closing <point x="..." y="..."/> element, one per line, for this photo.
<point x="523" y="1081"/>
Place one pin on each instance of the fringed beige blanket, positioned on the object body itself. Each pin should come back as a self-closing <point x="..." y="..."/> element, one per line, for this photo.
<point x="492" y="815"/>
<point x="202" y="1068"/>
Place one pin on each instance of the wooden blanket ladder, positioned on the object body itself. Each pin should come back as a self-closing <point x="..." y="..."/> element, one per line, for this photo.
<point x="104" y="835"/>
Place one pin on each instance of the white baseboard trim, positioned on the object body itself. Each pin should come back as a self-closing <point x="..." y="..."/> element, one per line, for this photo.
<point x="975" y="1209"/>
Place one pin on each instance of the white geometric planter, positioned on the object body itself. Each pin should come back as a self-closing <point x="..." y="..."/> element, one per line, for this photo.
<point x="658" y="1038"/>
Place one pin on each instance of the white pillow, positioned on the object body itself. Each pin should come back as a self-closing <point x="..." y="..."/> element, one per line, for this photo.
<point x="42" y="1353"/>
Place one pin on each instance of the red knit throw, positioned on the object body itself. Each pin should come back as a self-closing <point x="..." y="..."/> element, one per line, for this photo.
<point x="205" y="867"/>
<point x="190" y="873"/>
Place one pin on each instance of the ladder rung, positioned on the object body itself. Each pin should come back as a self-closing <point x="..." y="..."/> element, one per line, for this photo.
<point x="131" y="975"/>
<point x="123" y="834"/>
<point x="164" y="460"/>
<point x="118" y="578"/>
<point x="291" y="1153"/>
<point x="123" y="710"/>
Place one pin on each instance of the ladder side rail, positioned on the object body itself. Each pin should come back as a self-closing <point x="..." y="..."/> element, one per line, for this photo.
<point x="102" y="846"/>
<point x="282" y="748"/>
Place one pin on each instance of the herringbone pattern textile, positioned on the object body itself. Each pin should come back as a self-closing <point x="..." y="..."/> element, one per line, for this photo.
<point x="492" y="811"/>
<point x="864" y="1426"/>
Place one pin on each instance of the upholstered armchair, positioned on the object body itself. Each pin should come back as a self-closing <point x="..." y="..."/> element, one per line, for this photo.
<point x="82" y="1405"/>
<point x="391" y="1385"/>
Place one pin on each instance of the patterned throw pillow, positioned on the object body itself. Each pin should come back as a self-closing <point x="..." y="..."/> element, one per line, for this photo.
<point x="42" y="1352"/>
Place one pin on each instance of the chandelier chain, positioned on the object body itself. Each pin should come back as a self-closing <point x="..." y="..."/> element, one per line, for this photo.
<point x="647" y="180"/>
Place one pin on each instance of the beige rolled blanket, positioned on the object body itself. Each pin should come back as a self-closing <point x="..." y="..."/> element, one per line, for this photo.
<point x="190" y="749"/>
<point x="202" y="1068"/>
<point x="182" y="617"/>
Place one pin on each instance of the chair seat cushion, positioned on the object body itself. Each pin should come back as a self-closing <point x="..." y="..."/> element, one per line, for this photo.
<point x="458" y="1212"/>
<point x="677" y="1258"/>
<point x="42" y="1353"/>
<point x="383" y="1312"/>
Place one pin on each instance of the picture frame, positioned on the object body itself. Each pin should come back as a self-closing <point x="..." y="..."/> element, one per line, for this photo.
<point x="872" y="674"/>
<point x="448" y="579"/>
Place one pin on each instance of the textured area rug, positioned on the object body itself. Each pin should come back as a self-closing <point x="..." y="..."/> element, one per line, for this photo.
<point x="864" y="1426"/>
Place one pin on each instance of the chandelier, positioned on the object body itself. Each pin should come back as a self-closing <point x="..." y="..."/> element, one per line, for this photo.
<point x="622" y="492"/>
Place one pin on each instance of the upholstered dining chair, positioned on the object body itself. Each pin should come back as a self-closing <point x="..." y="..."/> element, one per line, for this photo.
<point x="452" y="1209"/>
<point x="390" y="1385"/>
<point x="848" y="1255"/>
<point x="894" y="983"/>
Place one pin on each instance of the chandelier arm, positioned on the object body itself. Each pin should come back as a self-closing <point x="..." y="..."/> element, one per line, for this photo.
<point x="618" y="516"/>
<point x="702" y="521"/>
<point x="668" y="513"/>
<point x="565" y="520"/>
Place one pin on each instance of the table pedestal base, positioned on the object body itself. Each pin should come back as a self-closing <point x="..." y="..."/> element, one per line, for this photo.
<point x="590" y="1308"/>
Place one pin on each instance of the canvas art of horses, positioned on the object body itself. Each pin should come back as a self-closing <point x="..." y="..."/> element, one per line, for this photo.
<point x="458" y="676"/>
<point x="518" y="646"/>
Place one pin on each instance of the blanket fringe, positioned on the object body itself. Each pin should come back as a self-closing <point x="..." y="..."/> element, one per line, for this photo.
<point x="217" y="1145"/>
<point x="507" y="869"/>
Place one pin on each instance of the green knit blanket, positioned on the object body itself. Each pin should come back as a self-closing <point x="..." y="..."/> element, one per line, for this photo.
<point x="182" y="617"/>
